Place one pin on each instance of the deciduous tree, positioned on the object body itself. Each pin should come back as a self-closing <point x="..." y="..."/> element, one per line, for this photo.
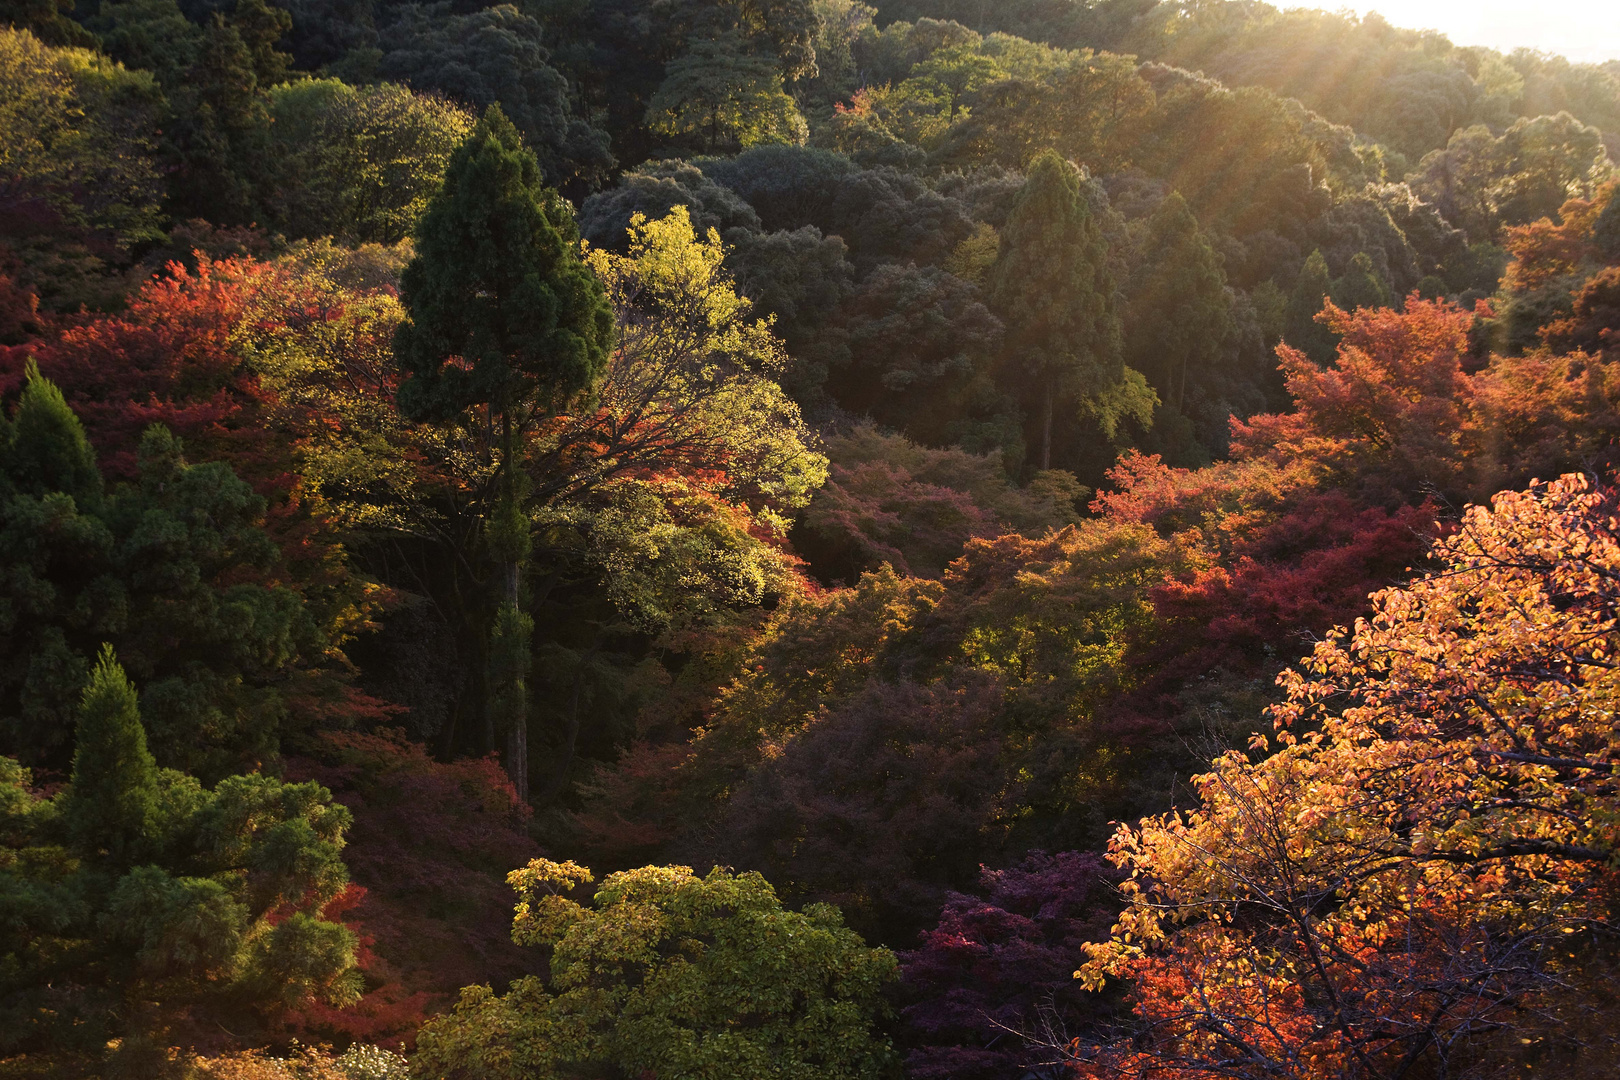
<point x="672" y="974"/>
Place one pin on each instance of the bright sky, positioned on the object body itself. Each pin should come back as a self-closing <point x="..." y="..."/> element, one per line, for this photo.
<point x="1583" y="30"/>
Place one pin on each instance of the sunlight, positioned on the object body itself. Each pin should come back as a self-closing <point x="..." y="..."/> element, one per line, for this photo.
<point x="1587" y="31"/>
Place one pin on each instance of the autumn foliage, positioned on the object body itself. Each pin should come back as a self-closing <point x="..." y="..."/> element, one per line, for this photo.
<point x="1399" y="870"/>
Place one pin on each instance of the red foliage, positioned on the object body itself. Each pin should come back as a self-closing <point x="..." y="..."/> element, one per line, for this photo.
<point x="1292" y="580"/>
<point x="429" y="852"/>
<point x="166" y="360"/>
<point x="1544" y="251"/>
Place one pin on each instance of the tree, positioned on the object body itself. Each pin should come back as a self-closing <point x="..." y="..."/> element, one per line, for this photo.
<point x="1090" y="109"/>
<point x="675" y="975"/>
<point x="936" y="93"/>
<point x="221" y="130"/>
<point x="1300" y="326"/>
<point x="654" y="189"/>
<point x="727" y="98"/>
<point x="78" y="134"/>
<point x="174" y="570"/>
<point x="137" y="901"/>
<point x="49" y="20"/>
<point x="889" y="500"/>
<point x="994" y="980"/>
<point x="505" y="326"/>
<point x="1179" y="311"/>
<point x="1053" y="289"/>
<point x="1419" y="850"/>
<point x="358" y="163"/>
<point x="922" y="350"/>
<point x="428" y="851"/>
<point x="882" y="214"/>
<point x="1360" y="286"/>
<point x="878" y="743"/>
<point x="494" y="57"/>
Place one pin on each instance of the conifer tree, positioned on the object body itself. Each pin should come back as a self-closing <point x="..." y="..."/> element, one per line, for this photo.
<point x="506" y="325"/>
<point x="1360" y="286"/>
<point x="1300" y="328"/>
<point x="1052" y="287"/>
<point x="137" y="897"/>
<point x="1180" y="312"/>
<point x="47" y="449"/>
<point x="113" y="798"/>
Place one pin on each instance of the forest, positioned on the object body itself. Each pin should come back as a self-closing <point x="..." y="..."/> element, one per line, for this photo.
<point x="804" y="540"/>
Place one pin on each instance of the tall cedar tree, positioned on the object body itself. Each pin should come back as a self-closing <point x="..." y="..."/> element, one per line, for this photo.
<point x="505" y="325"/>
<point x="1180" y="313"/>
<point x="1052" y="287"/>
<point x="1300" y="328"/>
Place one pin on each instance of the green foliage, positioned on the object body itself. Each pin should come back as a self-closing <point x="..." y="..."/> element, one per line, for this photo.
<point x="221" y="129"/>
<point x="1180" y="312"/>
<point x="49" y="20"/>
<point x="497" y="286"/>
<point x="1052" y="286"/>
<point x="1300" y="328"/>
<point x="174" y="570"/>
<point x="1361" y="285"/>
<point x="46" y="449"/>
<point x="76" y="133"/>
<point x="1084" y="106"/>
<point x="110" y="809"/>
<point x="1481" y="181"/>
<point x="674" y="975"/>
<point x="725" y="98"/>
<point x="494" y="57"/>
<point x="261" y="27"/>
<point x="153" y="35"/>
<point x="137" y="896"/>
<point x="358" y="163"/>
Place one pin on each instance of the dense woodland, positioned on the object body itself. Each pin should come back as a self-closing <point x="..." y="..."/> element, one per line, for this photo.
<point x="1096" y="519"/>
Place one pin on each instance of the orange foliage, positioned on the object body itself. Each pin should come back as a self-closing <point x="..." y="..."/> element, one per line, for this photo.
<point x="1386" y="884"/>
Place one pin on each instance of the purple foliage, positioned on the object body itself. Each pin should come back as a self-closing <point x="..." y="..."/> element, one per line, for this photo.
<point x="1001" y="966"/>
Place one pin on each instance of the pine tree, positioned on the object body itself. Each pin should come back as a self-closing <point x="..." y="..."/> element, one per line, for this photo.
<point x="48" y="449"/>
<point x="1300" y="328"/>
<point x="1052" y="287"/>
<point x="113" y="798"/>
<point x="504" y="318"/>
<point x="136" y="897"/>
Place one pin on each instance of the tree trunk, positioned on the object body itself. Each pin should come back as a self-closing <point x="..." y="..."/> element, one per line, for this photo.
<point x="509" y="637"/>
<point x="517" y="737"/>
<point x="1046" y="426"/>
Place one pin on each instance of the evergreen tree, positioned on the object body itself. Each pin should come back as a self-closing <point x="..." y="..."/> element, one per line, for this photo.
<point x="1052" y="287"/>
<point x="112" y="801"/>
<point x="174" y="570"/>
<point x="221" y="129"/>
<point x="1360" y="286"/>
<point x="47" y="449"/>
<point x="1300" y="328"/>
<point x="137" y="897"/>
<point x="1180" y="311"/>
<point x="504" y="318"/>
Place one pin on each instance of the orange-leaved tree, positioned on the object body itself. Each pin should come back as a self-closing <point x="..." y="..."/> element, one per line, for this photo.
<point x="1411" y="873"/>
